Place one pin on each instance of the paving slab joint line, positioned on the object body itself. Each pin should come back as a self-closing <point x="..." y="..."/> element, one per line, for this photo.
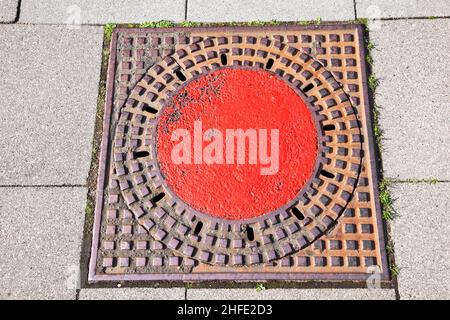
<point x="43" y="186"/>
<point x="409" y="18"/>
<point x="432" y="181"/>
<point x="19" y="6"/>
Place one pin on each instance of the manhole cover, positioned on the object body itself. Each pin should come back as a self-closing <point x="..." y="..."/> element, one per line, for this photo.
<point x="216" y="109"/>
<point x="237" y="153"/>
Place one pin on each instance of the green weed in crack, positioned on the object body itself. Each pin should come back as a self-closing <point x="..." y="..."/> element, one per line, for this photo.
<point x="395" y="270"/>
<point x="260" y="287"/>
<point x="108" y="31"/>
<point x="386" y="200"/>
<point x="158" y="24"/>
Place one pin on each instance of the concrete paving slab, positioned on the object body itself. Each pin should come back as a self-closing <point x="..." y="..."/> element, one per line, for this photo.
<point x="421" y="240"/>
<point x="133" y="294"/>
<point x="291" y="294"/>
<point x="49" y="86"/>
<point x="376" y="9"/>
<point x="100" y="11"/>
<point x="252" y="10"/>
<point x="411" y="63"/>
<point x="40" y="232"/>
<point x="8" y="10"/>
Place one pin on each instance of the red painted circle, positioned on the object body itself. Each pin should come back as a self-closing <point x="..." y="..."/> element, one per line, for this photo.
<point x="236" y="99"/>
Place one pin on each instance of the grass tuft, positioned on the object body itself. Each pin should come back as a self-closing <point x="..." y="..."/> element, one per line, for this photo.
<point x="363" y="21"/>
<point x="377" y="131"/>
<point x="434" y="181"/>
<point x="89" y="210"/>
<point x="390" y="247"/>
<point x="395" y="270"/>
<point x="318" y="20"/>
<point x="158" y="24"/>
<point x="373" y="83"/>
<point x="188" y="24"/>
<point x="108" y="31"/>
<point x="386" y="200"/>
<point x="257" y="23"/>
<point x="370" y="46"/>
<point x="260" y="287"/>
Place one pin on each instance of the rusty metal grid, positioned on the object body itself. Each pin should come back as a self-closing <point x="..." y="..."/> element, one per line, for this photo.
<point x="138" y="238"/>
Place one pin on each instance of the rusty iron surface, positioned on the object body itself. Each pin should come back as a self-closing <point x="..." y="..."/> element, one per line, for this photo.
<point x="143" y="230"/>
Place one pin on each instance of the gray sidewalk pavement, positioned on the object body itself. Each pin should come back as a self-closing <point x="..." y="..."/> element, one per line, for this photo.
<point x="291" y="294"/>
<point x="8" y="10"/>
<point x="379" y="9"/>
<point x="252" y="10"/>
<point x="49" y="86"/>
<point x="49" y="83"/>
<point x="41" y="231"/>
<point x="411" y="64"/>
<point x="100" y="11"/>
<point x="135" y="11"/>
<point x="421" y="239"/>
<point x="409" y="60"/>
<point x="133" y="294"/>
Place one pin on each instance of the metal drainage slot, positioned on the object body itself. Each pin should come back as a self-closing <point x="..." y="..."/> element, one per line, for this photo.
<point x="250" y="233"/>
<point x="297" y="213"/>
<point x="269" y="63"/>
<point x="198" y="227"/>
<point x="308" y="87"/>
<point x="158" y="197"/>
<point x="327" y="174"/>
<point x="180" y="75"/>
<point x="149" y="109"/>
<point x="223" y="59"/>
<point x="141" y="154"/>
<point x="329" y="127"/>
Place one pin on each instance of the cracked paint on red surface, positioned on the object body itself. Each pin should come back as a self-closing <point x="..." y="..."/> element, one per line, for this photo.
<point x="238" y="99"/>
